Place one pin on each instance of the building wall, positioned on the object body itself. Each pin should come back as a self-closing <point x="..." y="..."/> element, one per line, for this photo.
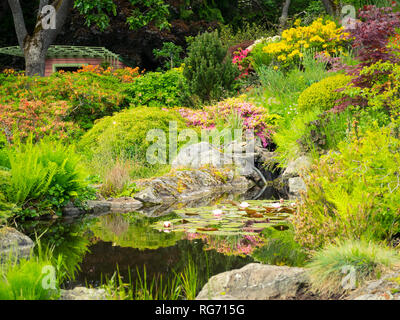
<point x="66" y="61"/>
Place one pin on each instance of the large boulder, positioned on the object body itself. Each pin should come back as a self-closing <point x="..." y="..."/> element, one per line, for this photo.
<point x="186" y="185"/>
<point x="200" y="154"/>
<point x="14" y="243"/>
<point x="256" y="282"/>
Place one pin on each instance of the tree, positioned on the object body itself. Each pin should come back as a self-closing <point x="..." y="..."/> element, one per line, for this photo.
<point x="52" y="14"/>
<point x="331" y="7"/>
<point x="284" y="16"/>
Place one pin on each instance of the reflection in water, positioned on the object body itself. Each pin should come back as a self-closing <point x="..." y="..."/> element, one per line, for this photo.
<point x="94" y="248"/>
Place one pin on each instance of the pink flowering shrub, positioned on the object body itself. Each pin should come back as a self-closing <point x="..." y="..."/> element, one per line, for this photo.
<point x="240" y="58"/>
<point x="254" y="118"/>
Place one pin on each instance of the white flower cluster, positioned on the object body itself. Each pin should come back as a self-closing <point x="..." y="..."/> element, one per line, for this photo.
<point x="264" y="40"/>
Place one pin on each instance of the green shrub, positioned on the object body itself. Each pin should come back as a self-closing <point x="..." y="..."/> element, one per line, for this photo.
<point x="280" y="249"/>
<point x="353" y="193"/>
<point x="363" y="260"/>
<point x="322" y="95"/>
<point x="45" y="175"/>
<point x="288" y="136"/>
<point x="208" y="70"/>
<point x="124" y="134"/>
<point x="157" y="89"/>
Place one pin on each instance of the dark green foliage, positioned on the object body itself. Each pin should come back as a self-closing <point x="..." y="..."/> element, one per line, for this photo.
<point x="169" y="54"/>
<point x="208" y="69"/>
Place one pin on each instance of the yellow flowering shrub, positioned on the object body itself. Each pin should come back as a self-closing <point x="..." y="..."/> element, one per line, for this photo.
<point x="320" y="36"/>
<point x="323" y="94"/>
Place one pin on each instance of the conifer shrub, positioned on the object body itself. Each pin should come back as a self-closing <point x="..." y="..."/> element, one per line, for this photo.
<point x="323" y="94"/>
<point x="208" y="69"/>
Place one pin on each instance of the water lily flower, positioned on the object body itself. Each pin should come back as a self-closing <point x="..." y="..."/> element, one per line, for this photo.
<point x="217" y="212"/>
<point x="244" y="205"/>
<point x="167" y="224"/>
<point x="276" y="205"/>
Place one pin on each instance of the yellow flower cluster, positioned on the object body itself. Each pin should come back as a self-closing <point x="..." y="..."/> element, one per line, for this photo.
<point x="319" y="36"/>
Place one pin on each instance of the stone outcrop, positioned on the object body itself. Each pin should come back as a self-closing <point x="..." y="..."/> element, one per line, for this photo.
<point x="256" y="282"/>
<point x="186" y="185"/>
<point x="14" y="243"/>
<point x="385" y="288"/>
<point x="99" y="207"/>
<point x="292" y="176"/>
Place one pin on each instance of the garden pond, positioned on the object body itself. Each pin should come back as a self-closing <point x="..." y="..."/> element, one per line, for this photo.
<point x="215" y="238"/>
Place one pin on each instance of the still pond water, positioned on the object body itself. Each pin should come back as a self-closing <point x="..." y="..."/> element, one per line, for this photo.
<point x="95" y="247"/>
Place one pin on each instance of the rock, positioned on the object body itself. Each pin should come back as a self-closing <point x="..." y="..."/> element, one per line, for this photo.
<point x="97" y="207"/>
<point x="70" y="210"/>
<point x="297" y="167"/>
<point x="197" y="155"/>
<point x="296" y="185"/>
<point x="186" y="185"/>
<point x="82" y="293"/>
<point x="15" y="243"/>
<point x="255" y="282"/>
<point x="385" y="288"/>
<point x="125" y="205"/>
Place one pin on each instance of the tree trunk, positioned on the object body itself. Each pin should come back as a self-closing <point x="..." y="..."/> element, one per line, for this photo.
<point x="35" y="57"/>
<point x="284" y="16"/>
<point x="35" y="46"/>
<point x="330" y="7"/>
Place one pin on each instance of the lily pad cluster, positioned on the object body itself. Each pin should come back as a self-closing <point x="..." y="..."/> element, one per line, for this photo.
<point x="231" y="218"/>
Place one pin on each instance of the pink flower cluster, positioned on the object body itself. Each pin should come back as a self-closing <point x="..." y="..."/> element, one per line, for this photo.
<point x="254" y="118"/>
<point x="240" y="59"/>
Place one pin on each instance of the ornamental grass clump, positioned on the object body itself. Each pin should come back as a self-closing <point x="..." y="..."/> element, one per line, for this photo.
<point x="347" y="265"/>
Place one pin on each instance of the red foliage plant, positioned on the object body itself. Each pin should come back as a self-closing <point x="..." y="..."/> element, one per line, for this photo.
<point x="37" y="118"/>
<point x="370" y="43"/>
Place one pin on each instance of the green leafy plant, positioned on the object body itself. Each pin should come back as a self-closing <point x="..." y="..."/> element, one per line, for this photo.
<point x="24" y="279"/>
<point x="157" y="89"/>
<point x="353" y="193"/>
<point x="44" y="175"/>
